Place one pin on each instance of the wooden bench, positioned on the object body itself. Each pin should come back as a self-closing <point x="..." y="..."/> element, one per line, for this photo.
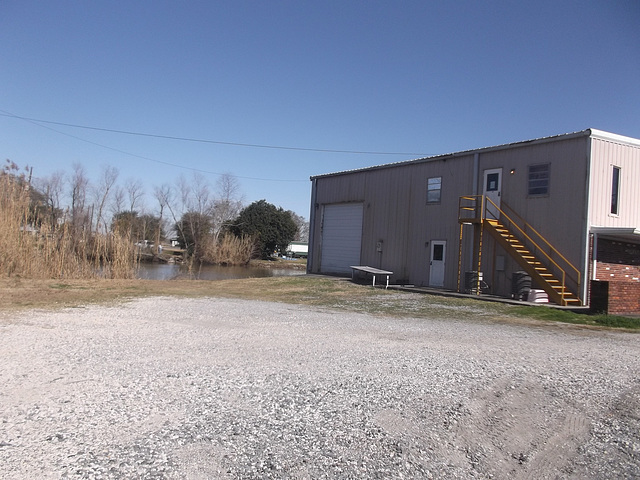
<point x="371" y="271"/>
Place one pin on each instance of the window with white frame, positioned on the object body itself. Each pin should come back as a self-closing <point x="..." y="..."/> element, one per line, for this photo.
<point x="615" y="191"/>
<point x="539" y="179"/>
<point x="434" y="189"/>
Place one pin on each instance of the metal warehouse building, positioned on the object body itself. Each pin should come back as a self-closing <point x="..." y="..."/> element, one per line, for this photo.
<point x="561" y="211"/>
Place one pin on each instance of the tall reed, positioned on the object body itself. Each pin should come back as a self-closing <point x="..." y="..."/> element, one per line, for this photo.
<point x="229" y="250"/>
<point x="31" y="246"/>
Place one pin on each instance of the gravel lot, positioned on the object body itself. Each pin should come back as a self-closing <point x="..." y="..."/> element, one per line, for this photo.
<point x="216" y="388"/>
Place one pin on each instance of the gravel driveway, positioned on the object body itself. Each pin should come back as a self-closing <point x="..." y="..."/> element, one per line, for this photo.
<point x="216" y="388"/>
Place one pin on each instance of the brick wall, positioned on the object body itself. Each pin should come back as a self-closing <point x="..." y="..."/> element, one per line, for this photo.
<point x="616" y="298"/>
<point x="616" y="272"/>
<point x="624" y="298"/>
<point x="617" y="287"/>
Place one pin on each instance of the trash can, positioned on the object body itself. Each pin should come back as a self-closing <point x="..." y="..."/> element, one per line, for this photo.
<point x="473" y="282"/>
<point x="520" y="286"/>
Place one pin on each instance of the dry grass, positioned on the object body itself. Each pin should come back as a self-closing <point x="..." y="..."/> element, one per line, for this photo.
<point x="19" y="294"/>
<point x="33" y="247"/>
<point x="325" y="292"/>
<point x="229" y="250"/>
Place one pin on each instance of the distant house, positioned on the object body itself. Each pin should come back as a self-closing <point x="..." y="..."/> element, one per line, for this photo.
<point x="561" y="211"/>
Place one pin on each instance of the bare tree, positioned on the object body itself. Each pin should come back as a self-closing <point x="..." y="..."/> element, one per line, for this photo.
<point x="183" y="195"/>
<point x="227" y="204"/>
<point x="127" y="198"/>
<point x="117" y="200"/>
<point x="52" y="188"/>
<point x="107" y="180"/>
<point x="135" y="193"/>
<point x="303" y="227"/>
<point x="197" y="205"/>
<point x="79" y="184"/>
<point x="164" y="196"/>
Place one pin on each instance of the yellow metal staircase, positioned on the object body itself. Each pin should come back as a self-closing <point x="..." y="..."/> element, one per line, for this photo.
<point x="541" y="275"/>
<point x="548" y="269"/>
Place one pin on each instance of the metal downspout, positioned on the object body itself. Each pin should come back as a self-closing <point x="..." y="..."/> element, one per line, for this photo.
<point x="312" y="224"/>
<point x="474" y="191"/>
<point x="476" y="172"/>
<point x="587" y="226"/>
<point x="594" y="257"/>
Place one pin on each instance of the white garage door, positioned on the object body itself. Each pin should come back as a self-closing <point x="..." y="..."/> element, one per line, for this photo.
<point x="341" y="237"/>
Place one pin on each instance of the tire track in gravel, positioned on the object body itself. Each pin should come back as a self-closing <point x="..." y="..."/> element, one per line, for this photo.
<point x="519" y="430"/>
<point x="559" y="450"/>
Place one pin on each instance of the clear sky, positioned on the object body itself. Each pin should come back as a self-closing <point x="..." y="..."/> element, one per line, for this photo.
<point x="416" y="78"/>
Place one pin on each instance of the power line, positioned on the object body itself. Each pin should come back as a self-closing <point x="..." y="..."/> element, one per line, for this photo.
<point x="193" y="169"/>
<point x="216" y="142"/>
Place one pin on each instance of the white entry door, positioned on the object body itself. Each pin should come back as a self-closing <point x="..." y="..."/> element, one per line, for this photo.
<point x="436" y="264"/>
<point x="493" y="189"/>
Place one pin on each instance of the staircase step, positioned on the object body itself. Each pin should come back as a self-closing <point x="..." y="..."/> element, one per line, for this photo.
<point x="545" y="275"/>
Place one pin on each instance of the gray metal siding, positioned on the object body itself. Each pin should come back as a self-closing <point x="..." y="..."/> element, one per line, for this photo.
<point x="396" y="213"/>
<point x="560" y="215"/>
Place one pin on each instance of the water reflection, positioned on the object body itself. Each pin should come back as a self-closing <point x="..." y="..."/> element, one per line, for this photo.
<point x="158" y="271"/>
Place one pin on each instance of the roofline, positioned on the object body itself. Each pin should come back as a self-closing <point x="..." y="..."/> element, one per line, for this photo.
<point x="613" y="137"/>
<point x="616" y="230"/>
<point x="590" y="132"/>
<point x="626" y="234"/>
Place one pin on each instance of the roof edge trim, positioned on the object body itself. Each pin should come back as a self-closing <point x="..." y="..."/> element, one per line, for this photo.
<point x="589" y="132"/>
<point x="614" y="137"/>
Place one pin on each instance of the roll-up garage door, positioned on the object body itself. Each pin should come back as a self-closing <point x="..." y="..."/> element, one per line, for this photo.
<point x="341" y="237"/>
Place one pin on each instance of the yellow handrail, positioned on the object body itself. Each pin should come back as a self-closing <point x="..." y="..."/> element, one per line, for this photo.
<point x="551" y="247"/>
<point x="532" y="241"/>
<point x="485" y="204"/>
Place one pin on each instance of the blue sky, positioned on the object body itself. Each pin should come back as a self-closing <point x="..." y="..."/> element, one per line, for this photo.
<point x="416" y="78"/>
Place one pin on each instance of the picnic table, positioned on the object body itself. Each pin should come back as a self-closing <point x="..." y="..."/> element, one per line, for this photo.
<point x="371" y="271"/>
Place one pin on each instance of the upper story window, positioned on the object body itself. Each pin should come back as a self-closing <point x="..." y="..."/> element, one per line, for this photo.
<point x="539" y="179"/>
<point x="434" y="189"/>
<point x="615" y="191"/>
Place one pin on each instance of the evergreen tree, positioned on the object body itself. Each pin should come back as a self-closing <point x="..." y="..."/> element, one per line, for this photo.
<point x="272" y="227"/>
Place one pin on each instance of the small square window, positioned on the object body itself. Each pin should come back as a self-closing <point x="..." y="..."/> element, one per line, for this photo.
<point x="539" y="179"/>
<point x="434" y="189"/>
<point x="493" y="180"/>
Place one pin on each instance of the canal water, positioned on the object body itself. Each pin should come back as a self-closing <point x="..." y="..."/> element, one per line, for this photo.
<point x="158" y="271"/>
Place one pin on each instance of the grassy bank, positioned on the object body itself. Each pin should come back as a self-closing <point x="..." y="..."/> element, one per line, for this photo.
<point x="335" y="293"/>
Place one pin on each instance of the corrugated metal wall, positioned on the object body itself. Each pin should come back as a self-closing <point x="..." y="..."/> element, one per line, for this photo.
<point x="560" y="216"/>
<point x="396" y="213"/>
<point x="606" y="154"/>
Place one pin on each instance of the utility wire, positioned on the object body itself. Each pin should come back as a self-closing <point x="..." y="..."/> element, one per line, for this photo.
<point x="217" y="142"/>
<point x="36" y="122"/>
